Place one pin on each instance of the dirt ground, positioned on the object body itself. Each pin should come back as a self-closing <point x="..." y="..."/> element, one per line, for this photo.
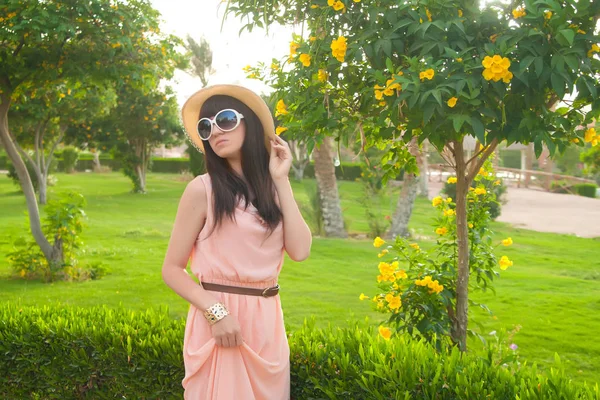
<point x="546" y="212"/>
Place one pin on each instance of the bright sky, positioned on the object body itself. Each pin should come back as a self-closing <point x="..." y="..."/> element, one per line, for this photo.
<point x="231" y="52"/>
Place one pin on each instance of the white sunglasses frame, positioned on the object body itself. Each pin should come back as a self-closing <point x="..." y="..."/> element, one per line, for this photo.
<point x="213" y="122"/>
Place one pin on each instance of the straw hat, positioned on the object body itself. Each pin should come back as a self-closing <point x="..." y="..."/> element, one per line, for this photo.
<point x="191" y="110"/>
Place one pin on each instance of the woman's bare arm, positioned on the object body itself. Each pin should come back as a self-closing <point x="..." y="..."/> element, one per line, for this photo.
<point x="190" y="218"/>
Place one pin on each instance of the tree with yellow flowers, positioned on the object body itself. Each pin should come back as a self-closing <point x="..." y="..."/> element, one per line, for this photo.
<point x="440" y="70"/>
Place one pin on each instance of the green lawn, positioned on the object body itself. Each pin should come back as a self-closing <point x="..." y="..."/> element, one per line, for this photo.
<point x="552" y="290"/>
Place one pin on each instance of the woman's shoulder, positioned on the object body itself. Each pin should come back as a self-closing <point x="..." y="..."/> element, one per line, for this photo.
<point x="198" y="187"/>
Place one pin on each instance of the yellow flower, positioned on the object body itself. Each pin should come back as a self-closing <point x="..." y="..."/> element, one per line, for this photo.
<point x="305" y="60"/>
<point x="548" y="14"/>
<point x="280" y="129"/>
<point x="312" y="38"/>
<point x="395" y="303"/>
<point x="338" y="5"/>
<point x="394" y="264"/>
<point x="427" y="74"/>
<point x="383" y="253"/>
<point x="595" y="49"/>
<point x="382" y="103"/>
<point x="590" y="135"/>
<point x="480" y="191"/>
<point x="415" y="246"/>
<point x="401" y="274"/>
<point x="519" y="12"/>
<point x="330" y="3"/>
<point x="378" y="242"/>
<point x="459" y="59"/>
<point x="338" y="48"/>
<point x="441" y="231"/>
<point x="496" y="68"/>
<point x="391" y="85"/>
<point x="22" y="273"/>
<point x="313" y="6"/>
<point x="247" y="68"/>
<point x="452" y="179"/>
<point x="470" y="225"/>
<point x="293" y="48"/>
<point x="357" y="1"/>
<point x="505" y="263"/>
<point x="452" y="102"/>
<point x="507" y="242"/>
<point x="378" y="94"/>
<point x="61" y="95"/>
<point x="436" y="201"/>
<point x="497" y="182"/>
<point x="274" y="66"/>
<point x="363" y="296"/>
<point x="388" y="92"/>
<point x="386" y="333"/>
<point x="449" y="212"/>
<point x="281" y="108"/>
<point x="322" y="75"/>
<point x="460" y="13"/>
<point x="581" y="31"/>
<point x="448" y="200"/>
<point x="386" y="269"/>
<point x="428" y="14"/>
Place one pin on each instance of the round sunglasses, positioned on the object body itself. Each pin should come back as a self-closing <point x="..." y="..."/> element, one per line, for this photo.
<point x="226" y="120"/>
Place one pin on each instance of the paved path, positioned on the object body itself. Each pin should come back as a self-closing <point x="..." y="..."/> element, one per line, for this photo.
<point x="547" y="212"/>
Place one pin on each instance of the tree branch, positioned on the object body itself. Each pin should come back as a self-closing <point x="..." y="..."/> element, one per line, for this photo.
<point x="477" y="165"/>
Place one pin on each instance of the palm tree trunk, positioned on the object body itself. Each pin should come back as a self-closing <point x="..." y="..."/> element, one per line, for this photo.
<point x="333" y="220"/>
<point x="406" y="199"/>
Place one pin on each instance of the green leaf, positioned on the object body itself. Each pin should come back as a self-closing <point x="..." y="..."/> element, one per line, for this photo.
<point x="389" y="65"/>
<point x="539" y="66"/>
<point x="572" y="62"/>
<point x="478" y="128"/>
<point x="558" y="62"/>
<point x="566" y="37"/>
<point x="558" y="85"/>
<point x="428" y="113"/>
<point x="438" y="96"/>
<point x="387" y="47"/>
<point x="458" y="121"/>
<point x="526" y="63"/>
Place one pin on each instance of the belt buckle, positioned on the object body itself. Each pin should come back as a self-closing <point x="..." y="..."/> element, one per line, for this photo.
<point x="264" y="293"/>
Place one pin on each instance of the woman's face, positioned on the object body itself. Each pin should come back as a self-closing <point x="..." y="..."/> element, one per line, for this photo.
<point x="228" y="144"/>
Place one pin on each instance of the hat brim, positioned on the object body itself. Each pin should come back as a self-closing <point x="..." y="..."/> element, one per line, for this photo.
<point x="191" y="110"/>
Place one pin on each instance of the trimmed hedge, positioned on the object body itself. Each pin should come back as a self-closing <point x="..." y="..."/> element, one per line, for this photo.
<point x="582" y="189"/>
<point x="67" y="352"/>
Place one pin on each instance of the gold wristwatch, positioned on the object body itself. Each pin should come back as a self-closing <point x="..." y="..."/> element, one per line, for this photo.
<point x="215" y="313"/>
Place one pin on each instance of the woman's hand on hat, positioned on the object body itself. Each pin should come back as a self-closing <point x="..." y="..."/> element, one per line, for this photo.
<point x="281" y="159"/>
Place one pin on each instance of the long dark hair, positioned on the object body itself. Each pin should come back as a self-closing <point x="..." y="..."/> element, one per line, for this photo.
<point x="228" y="186"/>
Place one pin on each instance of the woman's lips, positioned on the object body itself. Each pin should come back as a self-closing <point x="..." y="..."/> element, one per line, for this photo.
<point x="220" y="142"/>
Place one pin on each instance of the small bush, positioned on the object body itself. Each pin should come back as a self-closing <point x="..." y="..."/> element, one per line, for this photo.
<point x="59" y="351"/>
<point x="582" y="189"/>
<point x="197" y="165"/>
<point x="586" y="189"/>
<point x="70" y="155"/>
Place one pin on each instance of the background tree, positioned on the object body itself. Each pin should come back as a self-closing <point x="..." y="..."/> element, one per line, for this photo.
<point x="201" y="58"/>
<point x="100" y="41"/>
<point x="440" y="70"/>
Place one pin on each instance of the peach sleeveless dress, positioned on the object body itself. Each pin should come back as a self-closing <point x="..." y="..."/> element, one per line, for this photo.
<point x="238" y="253"/>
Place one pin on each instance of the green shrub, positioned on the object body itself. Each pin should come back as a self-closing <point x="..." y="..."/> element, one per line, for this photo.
<point x="582" y="189"/>
<point x="170" y="165"/>
<point x="3" y="161"/>
<point x="498" y="187"/>
<point x="586" y="189"/>
<point x="197" y="164"/>
<point x="60" y="351"/>
<point x="69" y="156"/>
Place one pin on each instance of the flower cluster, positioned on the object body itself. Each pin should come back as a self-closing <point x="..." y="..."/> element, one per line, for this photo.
<point x="305" y="59"/>
<point x="591" y="136"/>
<point x="336" y="4"/>
<point x="496" y="68"/>
<point x="519" y="13"/>
<point x="594" y="49"/>
<point x="338" y="48"/>
<point x="427" y="74"/>
<point x="280" y="108"/>
<point x="433" y="285"/>
<point x="390" y="88"/>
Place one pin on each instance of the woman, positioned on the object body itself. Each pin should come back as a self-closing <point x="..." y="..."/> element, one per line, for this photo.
<point x="235" y="222"/>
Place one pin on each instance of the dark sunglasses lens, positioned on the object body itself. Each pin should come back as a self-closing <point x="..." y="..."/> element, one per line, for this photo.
<point x="226" y="120"/>
<point x="204" y="129"/>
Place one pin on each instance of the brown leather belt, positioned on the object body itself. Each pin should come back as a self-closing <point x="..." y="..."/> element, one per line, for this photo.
<point x="268" y="292"/>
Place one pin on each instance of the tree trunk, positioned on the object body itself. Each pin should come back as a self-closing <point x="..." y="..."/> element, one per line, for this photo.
<point x="97" y="166"/>
<point x="404" y="207"/>
<point x="300" y="158"/>
<point x="54" y="256"/>
<point x="423" y="164"/>
<point x="333" y="220"/>
<point x="459" y="331"/>
<point x="406" y="199"/>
